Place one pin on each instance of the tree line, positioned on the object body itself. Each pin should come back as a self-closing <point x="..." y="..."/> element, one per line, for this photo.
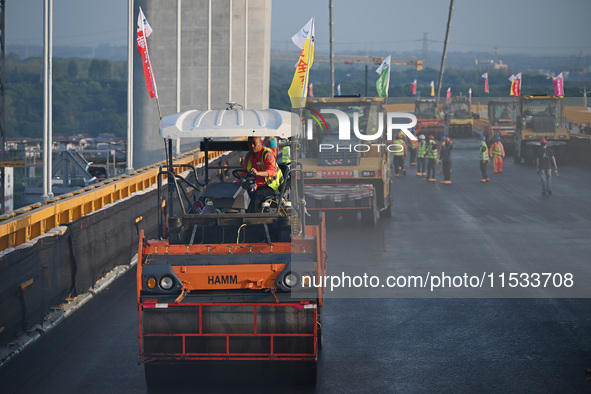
<point x="352" y="80"/>
<point x="89" y="96"/>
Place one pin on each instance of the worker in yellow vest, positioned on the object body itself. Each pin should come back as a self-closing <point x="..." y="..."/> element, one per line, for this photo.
<point x="399" y="151"/>
<point x="432" y="153"/>
<point x="422" y="156"/>
<point x="483" y="157"/>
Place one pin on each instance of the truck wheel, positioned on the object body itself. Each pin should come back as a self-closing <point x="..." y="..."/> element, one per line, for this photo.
<point x="370" y="216"/>
<point x="390" y="200"/>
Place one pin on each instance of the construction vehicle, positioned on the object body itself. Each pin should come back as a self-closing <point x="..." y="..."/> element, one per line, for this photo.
<point x="221" y="292"/>
<point x="502" y="116"/>
<point x="540" y="117"/>
<point x="429" y="121"/>
<point x="459" y="117"/>
<point x="344" y="177"/>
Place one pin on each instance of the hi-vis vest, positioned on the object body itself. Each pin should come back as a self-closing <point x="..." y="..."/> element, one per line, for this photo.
<point x="483" y="154"/>
<point x="497" y="149"/>
<point x="422" y="149"/>
<point x="413" y="144"/>
<point x="273" y="182"/>
<point x="432" y="151"/>
<point x="284" y="155"/>
<point x="401" y="150"/>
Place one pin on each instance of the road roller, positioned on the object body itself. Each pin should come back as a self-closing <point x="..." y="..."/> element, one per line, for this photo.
<point x="226" y="295"/>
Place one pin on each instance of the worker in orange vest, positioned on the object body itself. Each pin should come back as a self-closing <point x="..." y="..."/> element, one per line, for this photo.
<point x="497" y="152"/>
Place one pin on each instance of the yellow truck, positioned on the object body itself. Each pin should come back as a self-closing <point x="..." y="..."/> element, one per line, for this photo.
<point x="502" y="115"/>
<point x="459" y="117"/>
<point x="540" y="117"/>
<point x="346" y="176"/>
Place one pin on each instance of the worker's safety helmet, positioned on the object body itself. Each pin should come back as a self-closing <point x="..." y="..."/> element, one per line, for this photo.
<point x="497" y="138"/>
<point x="431" y="137"/>
<point x="398" y="137"/>
<point x="422" y="137"/>
<point x="543" y="141"/>
<point x="447" y="139"/>
<point x="482" y="137"/>
<point x="442" y="138"/>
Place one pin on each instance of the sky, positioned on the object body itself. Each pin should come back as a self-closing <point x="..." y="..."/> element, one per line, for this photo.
<point x="372" y="26"/>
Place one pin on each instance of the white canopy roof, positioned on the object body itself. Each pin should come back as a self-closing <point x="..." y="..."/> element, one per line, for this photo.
<point x="229" y="123"/>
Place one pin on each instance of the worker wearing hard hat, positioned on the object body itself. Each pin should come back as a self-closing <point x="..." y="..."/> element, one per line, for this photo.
<point x="399" y="152"/>
<point x="431" y="159"/>
<point x="483" y="158"/>
<point x="497" y="152"/>
<point x="544" y="162"/>
<point x="445" y="156"/>
<point x="422" y="156"/>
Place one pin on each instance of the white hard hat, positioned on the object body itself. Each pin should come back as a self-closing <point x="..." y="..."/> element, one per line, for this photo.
<point x="422" y="137"/>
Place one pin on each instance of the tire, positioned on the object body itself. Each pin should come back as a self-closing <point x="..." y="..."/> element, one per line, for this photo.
<point x="390" y="199"/>
<point x="370" y="216"/>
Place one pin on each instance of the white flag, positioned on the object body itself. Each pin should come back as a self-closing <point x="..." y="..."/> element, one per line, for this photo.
<point x="142" y="23"/>
<point x="306" y="32"/>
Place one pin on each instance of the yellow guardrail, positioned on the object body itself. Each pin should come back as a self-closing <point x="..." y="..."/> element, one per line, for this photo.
<point x="480" y="124"/>
<point x="34" y="220"/>
<point x="577" y="115"/>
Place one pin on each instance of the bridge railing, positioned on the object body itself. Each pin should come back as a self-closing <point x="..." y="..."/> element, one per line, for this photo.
<point x="31" y="221"/>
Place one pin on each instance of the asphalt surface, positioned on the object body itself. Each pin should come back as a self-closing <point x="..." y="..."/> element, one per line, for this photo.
<point x="462" y="340"/>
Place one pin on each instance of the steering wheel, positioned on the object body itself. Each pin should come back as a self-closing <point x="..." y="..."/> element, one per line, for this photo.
<point x="243" y="175"/>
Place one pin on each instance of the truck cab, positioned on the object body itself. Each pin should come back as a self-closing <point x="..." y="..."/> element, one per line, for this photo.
<point x="502" y="117"/>
<point x="540" y="117"/>
<point x="429" y="120"/>
<point x="344" y="177"/>
<point x="458" y="117"/>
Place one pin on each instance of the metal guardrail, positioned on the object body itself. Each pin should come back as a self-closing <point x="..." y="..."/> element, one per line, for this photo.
<point x="31" y="221"/>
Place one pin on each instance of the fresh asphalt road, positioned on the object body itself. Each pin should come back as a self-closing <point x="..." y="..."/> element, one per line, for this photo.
<point x="390" y="339"/>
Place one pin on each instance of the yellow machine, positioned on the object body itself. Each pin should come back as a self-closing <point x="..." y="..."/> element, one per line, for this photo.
<point x="346" y="176"/>
<point x="458" y="117"/>
<point x="502" y="114"/>
<point x="540" y="118"/>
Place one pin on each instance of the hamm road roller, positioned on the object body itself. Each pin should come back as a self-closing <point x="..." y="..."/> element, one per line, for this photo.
<point x="224" y="293"/>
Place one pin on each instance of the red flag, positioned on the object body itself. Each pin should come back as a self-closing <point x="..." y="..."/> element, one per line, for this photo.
<point x="310" y="91"/>
<point x="517" y="85"/>
<point x="414" y="87"/>
<point x="448" y="97"/>
<point x="558" y="85"/>
<point x="470" y="95"/>
<point x="485" y="76"/>
<point x="143" y="31"/>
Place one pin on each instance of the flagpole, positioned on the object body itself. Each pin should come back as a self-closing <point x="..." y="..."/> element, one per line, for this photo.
<point x="130" y="45"/>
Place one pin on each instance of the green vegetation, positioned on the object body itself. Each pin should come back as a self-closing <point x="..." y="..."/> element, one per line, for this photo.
<point x="89" y="96"/>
